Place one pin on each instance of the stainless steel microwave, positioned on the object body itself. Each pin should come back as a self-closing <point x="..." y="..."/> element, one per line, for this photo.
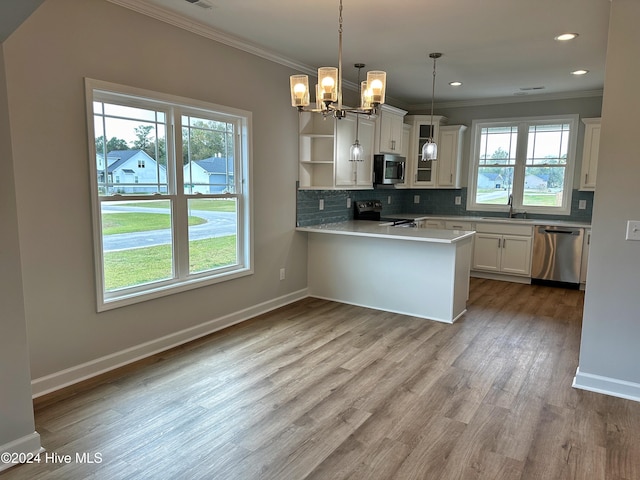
<point x="388" y="169"/>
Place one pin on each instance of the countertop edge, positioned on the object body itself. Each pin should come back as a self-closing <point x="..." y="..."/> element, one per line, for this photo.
<point x="373" y="230"/>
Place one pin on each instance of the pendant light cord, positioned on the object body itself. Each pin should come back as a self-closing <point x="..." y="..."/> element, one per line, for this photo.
<point x="359" y="94"/>
<point x="340" y="57"/>
<point x="433" y="94"/>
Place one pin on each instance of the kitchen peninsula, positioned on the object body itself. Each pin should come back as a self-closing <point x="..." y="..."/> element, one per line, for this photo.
<point x="412" y="271"/>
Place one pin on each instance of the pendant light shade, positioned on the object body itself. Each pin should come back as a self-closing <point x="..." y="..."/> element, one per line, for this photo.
<point x="356" y="152"/>
<point x="430" y="149"/>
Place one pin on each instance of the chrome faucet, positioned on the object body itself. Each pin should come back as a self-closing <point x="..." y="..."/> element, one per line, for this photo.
<point x="510" y="203"/>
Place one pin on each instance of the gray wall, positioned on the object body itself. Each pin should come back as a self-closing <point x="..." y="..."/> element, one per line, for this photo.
<point x="16" y="414"/>
<point x="46" y="61"/>
<point x="611" y="326"/>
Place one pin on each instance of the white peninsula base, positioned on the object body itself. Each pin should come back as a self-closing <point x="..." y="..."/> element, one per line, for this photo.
<point x="407" y="275"/>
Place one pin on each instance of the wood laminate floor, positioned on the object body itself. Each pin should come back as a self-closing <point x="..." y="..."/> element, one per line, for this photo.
<point x="321" y="390"/>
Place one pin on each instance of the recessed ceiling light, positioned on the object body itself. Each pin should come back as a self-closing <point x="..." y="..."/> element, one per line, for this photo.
<point x="566" y="36"/>
<point x="579" y="72"/>
<point x="455" y="84"/>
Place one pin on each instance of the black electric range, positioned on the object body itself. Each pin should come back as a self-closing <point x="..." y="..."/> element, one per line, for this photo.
<point x="372" y="210"/>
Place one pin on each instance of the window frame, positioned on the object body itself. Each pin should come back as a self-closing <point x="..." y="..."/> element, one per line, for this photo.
<point x="523" y="124"/>
<point x="174" y="107"/>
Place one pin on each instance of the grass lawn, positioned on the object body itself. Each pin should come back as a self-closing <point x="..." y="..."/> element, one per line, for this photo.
<point x="127" y="268"/>
<point x="530" y="199"/>
<point x="212" y="205"/>
<point x="113" y="223"/>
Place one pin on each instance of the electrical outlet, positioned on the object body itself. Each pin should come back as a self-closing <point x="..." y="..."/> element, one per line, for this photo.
<point x="582" y="204"/>
<point x="348" y="202"/>
<point x="389" y="200"/>
<point x="416" y="199"/>
<point x="321" y="204"/>
<point x="283" y="274"/>
<point x="458" y="200"/>
<point x="633" y="230"/>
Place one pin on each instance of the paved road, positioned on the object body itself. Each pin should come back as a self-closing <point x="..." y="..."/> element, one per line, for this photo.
<point x="219" y="224"/>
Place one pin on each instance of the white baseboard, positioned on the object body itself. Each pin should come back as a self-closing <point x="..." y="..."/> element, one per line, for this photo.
<point x="607" y="385"/>
<point x="500" y="276"/>
<point x="29" y="444"/>
<point x="56" y="381"/>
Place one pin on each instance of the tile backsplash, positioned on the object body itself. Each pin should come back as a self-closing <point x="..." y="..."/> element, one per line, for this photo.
<point x="430" y="202"/>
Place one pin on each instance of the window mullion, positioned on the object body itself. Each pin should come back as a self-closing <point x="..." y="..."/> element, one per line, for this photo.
<point x="181" y="214"/>
<point x="519" y="169"/>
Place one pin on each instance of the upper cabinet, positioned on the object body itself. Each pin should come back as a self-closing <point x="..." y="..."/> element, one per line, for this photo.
<point x="350" y="174"/>
<point x="590" y="153"/>
<point x="443" y="172"/>
<point x="449" y="163"/>
<point x="389" y="130"/>
<point x="421" y="174"/>
<point x="324" y="145"/>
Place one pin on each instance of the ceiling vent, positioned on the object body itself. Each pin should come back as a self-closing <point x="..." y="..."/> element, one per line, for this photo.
<point x="200" y="3"/>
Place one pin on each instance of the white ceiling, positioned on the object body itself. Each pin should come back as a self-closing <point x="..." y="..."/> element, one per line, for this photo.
<point x="495" y="47"/>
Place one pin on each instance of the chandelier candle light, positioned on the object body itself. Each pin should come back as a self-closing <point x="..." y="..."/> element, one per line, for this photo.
<point x="430" y="149"/>
<point x="329" y="88"/>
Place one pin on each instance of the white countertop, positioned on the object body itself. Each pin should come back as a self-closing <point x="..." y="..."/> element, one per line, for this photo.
<point x="515" y="221"/>
<point x="365" y="228"/>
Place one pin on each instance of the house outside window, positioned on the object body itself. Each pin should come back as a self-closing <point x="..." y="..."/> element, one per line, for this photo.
<point x="527" y="161"/>
<point x="154" y="234"/>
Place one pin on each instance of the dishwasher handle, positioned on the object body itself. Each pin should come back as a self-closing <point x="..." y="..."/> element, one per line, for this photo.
<point x="562" y="232"/>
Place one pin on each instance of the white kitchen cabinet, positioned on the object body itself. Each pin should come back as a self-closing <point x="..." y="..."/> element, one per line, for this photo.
<point x="458" y="225"/>
<point x="421" y="174"/>
<point x="590" y="153"/>
<point x="449" y="163"/>
<point x="348" y="173"/>
<point x="389" y="130"/>
<point x="504" y="249"/>
<point x="406" y="139"/>
<point x="324" y="145"/>
<point x="430" y="223"/>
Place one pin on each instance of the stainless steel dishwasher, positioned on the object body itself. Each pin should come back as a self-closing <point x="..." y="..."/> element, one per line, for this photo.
<point x="557" y="255"/>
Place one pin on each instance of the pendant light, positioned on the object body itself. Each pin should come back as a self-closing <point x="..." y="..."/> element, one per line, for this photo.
<point x="356" y="152"/>
<point x="329" y="88"/>
<point x="430" y="149"/>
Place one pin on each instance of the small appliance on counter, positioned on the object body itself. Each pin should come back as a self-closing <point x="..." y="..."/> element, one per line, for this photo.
<point x="372" y="210"/>
<point x="388" y="169"/>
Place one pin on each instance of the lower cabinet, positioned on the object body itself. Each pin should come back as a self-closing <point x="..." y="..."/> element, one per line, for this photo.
<point x="428" y="223"/>
<point x="503" y="249"/>
<point x="502" y="254"/>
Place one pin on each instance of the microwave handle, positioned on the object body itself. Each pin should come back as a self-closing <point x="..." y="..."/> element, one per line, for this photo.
<point x="401" y="170"/>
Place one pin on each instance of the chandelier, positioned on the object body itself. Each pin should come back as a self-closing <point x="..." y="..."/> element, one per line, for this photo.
<point x="329" y="88"/>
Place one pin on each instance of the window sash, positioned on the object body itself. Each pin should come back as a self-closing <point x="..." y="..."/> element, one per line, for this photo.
<point x="527" y="131"/>
<point x="170" y="110"/>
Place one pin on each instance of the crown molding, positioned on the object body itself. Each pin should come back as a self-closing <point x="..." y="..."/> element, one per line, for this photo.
<point x="172" y="18"/>
<point x="513" y="99"/>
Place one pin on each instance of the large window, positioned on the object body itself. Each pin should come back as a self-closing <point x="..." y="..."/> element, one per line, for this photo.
<point x="526" y="162"/>
<point x="170" y="192"/>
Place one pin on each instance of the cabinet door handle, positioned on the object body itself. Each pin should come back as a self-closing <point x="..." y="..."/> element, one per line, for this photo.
<point x="451" y="178"/>
<point x="504" y="242"/>
<point x="498" y="243"/>
<point x="586" y="178"/>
